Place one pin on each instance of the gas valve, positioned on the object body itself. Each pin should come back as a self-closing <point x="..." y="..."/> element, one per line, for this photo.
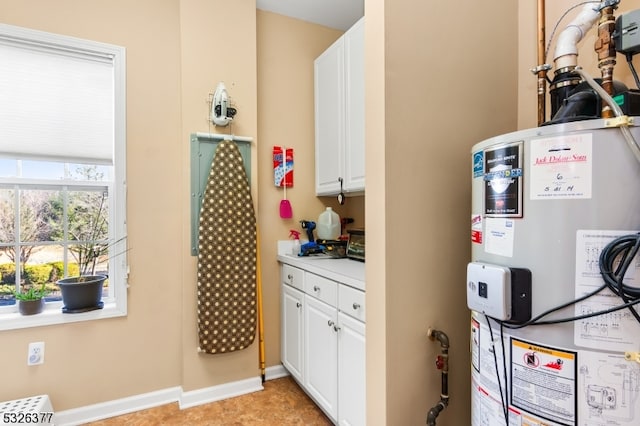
<point x="440" y="362"/>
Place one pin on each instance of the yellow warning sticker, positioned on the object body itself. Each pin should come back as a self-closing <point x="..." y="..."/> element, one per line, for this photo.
<point x="544" y="381"/>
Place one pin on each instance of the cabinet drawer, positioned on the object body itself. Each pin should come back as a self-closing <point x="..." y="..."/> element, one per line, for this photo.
<point x="351" y="302"/>
<point x="322" y="288"/>
<point x="293" y="277"/>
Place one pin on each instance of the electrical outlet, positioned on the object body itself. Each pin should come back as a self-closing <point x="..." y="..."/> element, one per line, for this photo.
<point x="36" y="353"/>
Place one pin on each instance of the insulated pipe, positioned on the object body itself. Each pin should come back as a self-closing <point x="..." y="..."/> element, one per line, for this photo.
<point x="442" y="363"/>
<point x="566" y="53"/>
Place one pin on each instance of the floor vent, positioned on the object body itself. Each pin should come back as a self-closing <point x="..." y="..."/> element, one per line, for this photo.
<point x="32" y="410"/>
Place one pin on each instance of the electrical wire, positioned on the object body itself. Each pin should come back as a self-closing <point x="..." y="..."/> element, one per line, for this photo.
<point x="504" y="371"/>
<point x="536" y="320"/>
<point x="626" y="246"/>
<point x="629" y="57"/>
<point x="615" y="259"/>
<point x="504" y="399"/>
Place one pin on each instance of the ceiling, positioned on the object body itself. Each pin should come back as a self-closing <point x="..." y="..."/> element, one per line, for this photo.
<point x="338" y="14"/>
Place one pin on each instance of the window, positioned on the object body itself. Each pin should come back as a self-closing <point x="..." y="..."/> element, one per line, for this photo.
<point x="62" y="170"/>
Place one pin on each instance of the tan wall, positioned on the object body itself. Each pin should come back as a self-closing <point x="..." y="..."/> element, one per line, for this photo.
<point x="177" y="51"/>
<point x="214" y="49"/>
<point x="98" y="361"/>
<point x="286" y="51"/>
<point x="439" y="95"/>
<point x="429" y="99"/>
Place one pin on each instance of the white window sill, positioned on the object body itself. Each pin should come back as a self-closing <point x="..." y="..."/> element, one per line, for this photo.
<point x="53" y="315"/>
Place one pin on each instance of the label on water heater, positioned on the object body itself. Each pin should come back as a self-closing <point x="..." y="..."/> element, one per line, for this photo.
<point x="560" y="167"/>
<point x="544" y="381"/>
<point x="476" y="228"/>
<point x="503" y="180"/>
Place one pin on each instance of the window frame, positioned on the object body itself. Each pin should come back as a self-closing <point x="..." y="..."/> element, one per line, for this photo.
<point x="117" y="186"/>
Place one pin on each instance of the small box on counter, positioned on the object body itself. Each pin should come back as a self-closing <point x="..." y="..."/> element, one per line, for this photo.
<point x="356" y="246"/>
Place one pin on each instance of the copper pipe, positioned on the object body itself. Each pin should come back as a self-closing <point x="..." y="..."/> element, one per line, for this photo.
<point x="541" y="71"/>
<point x="605" y="48"/>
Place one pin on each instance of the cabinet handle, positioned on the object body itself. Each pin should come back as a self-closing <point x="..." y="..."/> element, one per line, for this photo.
<point x="290" y="277"/>
<point x="316" y="288"/>
<point x="336" y="328"/>
<point x="331" y="323"/>
<point x="298" y="304"/>
<point x="356" y="306"/>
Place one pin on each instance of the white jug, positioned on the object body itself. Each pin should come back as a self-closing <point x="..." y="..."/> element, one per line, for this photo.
<point x="328" y="225"/>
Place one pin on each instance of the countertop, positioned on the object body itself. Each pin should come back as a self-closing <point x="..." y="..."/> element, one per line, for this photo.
<point x="345" y="271"/>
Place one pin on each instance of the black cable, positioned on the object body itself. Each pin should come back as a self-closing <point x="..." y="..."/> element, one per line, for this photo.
<point x="504" y="371"/>
<point x="619" y="253"/>
<point x="626" y="246"/>
<point x="575" y="318"/>
<point x="629" y="57"/>
<point x="535" y="320"/>
<point x="614" y="261"/>
<point x="503" y="401"/>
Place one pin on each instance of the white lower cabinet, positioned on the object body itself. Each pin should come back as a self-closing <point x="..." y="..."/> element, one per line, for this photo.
<point x="351" y="371"/>
<point x="323" y="343"/>
<point x="320" y="354"/>
<point x="292" y="331"/>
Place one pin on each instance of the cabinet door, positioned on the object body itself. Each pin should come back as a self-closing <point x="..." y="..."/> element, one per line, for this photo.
<point x="351" y="371"/>
<point x="321" y="354"/>
<point x="292" y="329"/>
<point x="354" y="145"/>
<point x="329" y="118"/>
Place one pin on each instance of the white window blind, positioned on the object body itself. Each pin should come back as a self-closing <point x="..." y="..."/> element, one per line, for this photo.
<point x="56" y="102"/>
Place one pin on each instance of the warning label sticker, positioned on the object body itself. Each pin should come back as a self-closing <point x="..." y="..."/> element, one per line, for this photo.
<point x="544" y="381"/>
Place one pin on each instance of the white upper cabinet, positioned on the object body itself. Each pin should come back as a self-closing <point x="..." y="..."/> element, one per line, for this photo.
<point x="339" y="114"/>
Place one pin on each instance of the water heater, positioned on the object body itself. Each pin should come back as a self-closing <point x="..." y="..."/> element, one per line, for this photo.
<point x="545" y="202"/>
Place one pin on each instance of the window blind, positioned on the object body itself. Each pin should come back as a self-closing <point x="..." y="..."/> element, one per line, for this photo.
<point x="56" y="102"/>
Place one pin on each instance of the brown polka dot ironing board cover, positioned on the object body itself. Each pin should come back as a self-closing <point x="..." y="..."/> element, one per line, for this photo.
<point x="226" y="257"/>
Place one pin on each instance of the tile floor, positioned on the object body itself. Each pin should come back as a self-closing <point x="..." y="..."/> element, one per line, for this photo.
<point x="281" y="403"/>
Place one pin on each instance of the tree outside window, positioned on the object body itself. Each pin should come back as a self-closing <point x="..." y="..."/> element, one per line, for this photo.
<point x="62" y="232"/>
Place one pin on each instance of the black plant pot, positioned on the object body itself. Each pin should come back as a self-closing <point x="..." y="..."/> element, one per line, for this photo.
<point x="81" y="294"/>
<point x="30" y="307"/>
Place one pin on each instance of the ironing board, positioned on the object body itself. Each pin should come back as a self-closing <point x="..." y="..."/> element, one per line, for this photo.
<point x="226" y="257"/>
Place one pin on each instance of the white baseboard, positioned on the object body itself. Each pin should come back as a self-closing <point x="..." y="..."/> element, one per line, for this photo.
<point x="275" y="372"/>
<point x="220" y="392"/>
<point x="118" y="407"/>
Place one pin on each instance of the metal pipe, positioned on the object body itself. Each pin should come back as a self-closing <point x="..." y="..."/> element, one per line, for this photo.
<point x="442" y="363"/>
<point x="542" y="71"/>
<point x="605" y="48"/>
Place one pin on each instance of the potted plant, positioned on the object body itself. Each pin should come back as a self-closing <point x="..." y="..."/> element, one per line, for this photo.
<point x="88" y="218"/>
<point x="31" y="299"/>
